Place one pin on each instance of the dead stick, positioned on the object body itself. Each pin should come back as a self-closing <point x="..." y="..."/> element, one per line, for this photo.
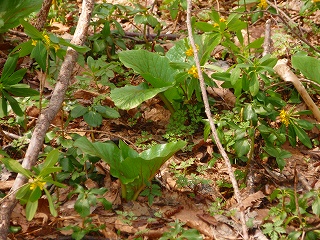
<point x="212" y="126"/>
<point x="287" y="75"/>
<point x="47" y="116"/>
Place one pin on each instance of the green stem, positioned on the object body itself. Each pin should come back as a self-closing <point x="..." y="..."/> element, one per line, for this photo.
<point x="167" y="103"/>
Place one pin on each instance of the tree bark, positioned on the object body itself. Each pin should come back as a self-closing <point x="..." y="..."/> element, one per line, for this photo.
<point x="43" y="14"/>
<point x="47" y="116"/>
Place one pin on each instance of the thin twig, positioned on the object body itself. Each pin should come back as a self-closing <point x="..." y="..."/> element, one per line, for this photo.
<point x="212" y="126"/>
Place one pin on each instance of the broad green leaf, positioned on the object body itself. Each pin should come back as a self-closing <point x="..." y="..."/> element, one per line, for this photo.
<point x="309" y="66"/>
<point x="302" y="136"/>
<point x="39" y="53"/>
<point x="235" y="75"/>
<point x="31" y="209"/>
<point x="205" y="27"/>
<point x="78" y="111"/>
<point x="21" y="90"/>
<point x="281" y="163"/>
<point x="51" y="159"/>
<point x="305" y="124"/>
<point x="9" y="67"/>
<point x="107" y="112"/>
<point x="94" y="119"/>
<point x="15" y="166"/>
<point x="14" y="10"/>
<point x="48" y="170"/>
<point x="254" y="84"/>
<point x="82" y="206"/>
<point x="30" y="30"/>
<point x="15" y="78"/>
<point x="23" y="191"/>
<point x="36" y="193"/>
<point x="256" y="43"/>
<point x="242" y="147"/>
<point x="316" y="206"/>
<point x="249" y="113"/>
<point x="144" y="62"/>
<point x="52" y="209"/>
<point x="129" y="97"/>
<point x="13" y="103"/>
<point x="58" y="184"/>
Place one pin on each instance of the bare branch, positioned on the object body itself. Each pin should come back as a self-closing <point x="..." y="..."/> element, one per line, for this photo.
<point x="212" y="126"/>
<point x="47" y="115"/>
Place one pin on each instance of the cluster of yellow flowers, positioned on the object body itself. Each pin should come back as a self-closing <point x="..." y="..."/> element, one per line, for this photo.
<point x="189" y="52"/>
<point x="221" y="20"/>
<point x="37" y="183"/>
<point x="193" y="71"/>
<point x="284" y="117"/>
<point x="47" y="42"/>
<point x="263" y="4"/>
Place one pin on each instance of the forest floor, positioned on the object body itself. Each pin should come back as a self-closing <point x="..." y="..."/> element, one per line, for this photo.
<point x="206" y="201"/>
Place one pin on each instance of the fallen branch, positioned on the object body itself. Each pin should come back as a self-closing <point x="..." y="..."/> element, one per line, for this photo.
<point x="287" y="75"/>
<point x="212" y="126"/>
<point x="47" y="116"/>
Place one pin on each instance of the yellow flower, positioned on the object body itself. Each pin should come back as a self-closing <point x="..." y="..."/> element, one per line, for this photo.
<point x="263" y="4"/>
<point x="34" y="42"/>
<point x="46" y="39"/>
<point x="56" y="47"/>
<point x="189" y="52"/>
<point x="193" y="71"/>
<point x="216" y="24"/>
<point x="222" y="19"/>
<point x="284" y="117"/>
<point x="37" y="183"/>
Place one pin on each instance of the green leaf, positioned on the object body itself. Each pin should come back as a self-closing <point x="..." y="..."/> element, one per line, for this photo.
<point x="78" y="111"/>
<point x="31" y="209"/>
<point x="133" y="169"/>
<point x="144" y="62"/>
<point x="16" y="167"/>
<point x="254" y="84"/>
<point x="107" y="112"/>
<point x="30" y="30"/>
<point x="35" y="194"/>
<point x="82" y="206"/>
<point x="302" y="136"/>
<point x="242" y="147"/>
<point x="9" y="67"/>
<point x="13" y="103"/>
<point x="14" y="10"/>
<point x="21" y="90"/>
<point x="316" y="206"/>
<point x="51" y="159"/>
<point x="94" y="119"/>
<point x="15" y="78"/>
<point x="309" y="66"/>
<point x="23" y="191"/>
<point x="129" y="97"/>
<point x="39" y="53"/>
<point x="205" y="27"/>
<point x="48" y="170"/>
<point x="52" y="209"/>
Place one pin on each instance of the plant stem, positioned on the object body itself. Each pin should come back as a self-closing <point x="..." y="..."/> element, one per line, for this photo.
<point x="167" y="103"/>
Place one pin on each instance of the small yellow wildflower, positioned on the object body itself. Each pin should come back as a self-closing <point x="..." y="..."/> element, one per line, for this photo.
<point x="222" y="19"/>
<point x="37" y="183"/>
<point x="46" y="39"/>
<point x="284" y="117"/>
<point x="56" y="47"/>
<point x="34" y="42"/>
<point x="193" y="71"/>
<point x="189" y="52"/>
<point x="263" y="4"/>
<point x="216" y="24"/>
<point x="316" y="1"/>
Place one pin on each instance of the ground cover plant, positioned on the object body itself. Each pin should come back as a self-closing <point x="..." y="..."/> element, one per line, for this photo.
<point x="160" y="120"/>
